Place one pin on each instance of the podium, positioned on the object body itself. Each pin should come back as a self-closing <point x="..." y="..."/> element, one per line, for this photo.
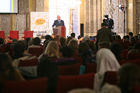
<point x="60" y="31"/>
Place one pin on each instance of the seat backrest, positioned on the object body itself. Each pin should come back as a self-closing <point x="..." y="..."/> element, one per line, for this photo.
<point x="36" y="51"/>
<point x="67" y="83"/>
<point x="26" y="86"/>
<point x="2" y="34"/>
<point x="28" y="62"/>
<point x="135" y="61"/>
<point x="14" y="35"/>
<point x="73" y="69"/>
<point x="91" y="68"/>
<point x="28" y="34"/>
<point x="110" y="77"/>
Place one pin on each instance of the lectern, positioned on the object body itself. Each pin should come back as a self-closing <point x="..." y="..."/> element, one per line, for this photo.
<point x="60" y="31"/>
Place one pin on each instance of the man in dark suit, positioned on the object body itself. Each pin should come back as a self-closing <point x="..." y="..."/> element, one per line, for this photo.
<point x="58" y="22"/>
<point x="104" y="36"/>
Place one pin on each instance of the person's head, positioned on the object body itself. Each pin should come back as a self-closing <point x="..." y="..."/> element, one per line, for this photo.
<point x="18" y="49"/>
<point x="58" y="17"/>
<point x="106" y="61"/>
<point x="73" y="44"/>
<point x="131" y="34"/>
<point x="1" y="41"/>
<point x="5" y="63"/>
<point x="126" y="38"/>
<point x="52" y="49"/>
<point x="36" y="41"/>
<point x="73" y="35"/>
<point x="79" y="37"/>
<point x="48" y="37"/>
<point x="68" y="40"/>
<point x="118" y="37"/>
<point x="62" y="41"/>
<point x="104" y="25"/>
<point x="83" y="46"/>
<point x="66" y="51"/>
<point x="128" y="77"/>
<point x="27" y="42"/>
<point x="106" y="16"/>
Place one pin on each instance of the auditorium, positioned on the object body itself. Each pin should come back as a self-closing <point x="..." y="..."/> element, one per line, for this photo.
<point x="69" y="46"/>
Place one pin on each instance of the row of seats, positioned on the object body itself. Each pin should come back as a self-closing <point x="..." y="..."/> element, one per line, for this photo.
<point x="15" y="34"/>
<point x="65" y="84"/>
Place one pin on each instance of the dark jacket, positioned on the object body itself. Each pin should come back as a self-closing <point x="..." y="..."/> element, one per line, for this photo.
<point x="58" y="23"/>
<point x="104" y="35"/>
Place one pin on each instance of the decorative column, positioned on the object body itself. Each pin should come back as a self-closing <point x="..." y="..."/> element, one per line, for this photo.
<point x="93" y="16"/>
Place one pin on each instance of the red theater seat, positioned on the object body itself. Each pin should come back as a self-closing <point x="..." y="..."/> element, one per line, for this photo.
<point x="67" y="83"/>
<point x="14" y="35"/>
<point x="28" y="34"/>
<point x="73" y="69"/>
<point x="35" y="51"/>
<point x="26" y="86"/>
<point x="91" y="68"/>
<point x="110" y="77"/>
<point x="2" y="34"/>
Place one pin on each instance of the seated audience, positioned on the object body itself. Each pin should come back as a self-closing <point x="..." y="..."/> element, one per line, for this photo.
<point x="7" y="71"/>
<point x="62" y="42"/>
<point x="52" y="51"/>
<point x="73" y="44"/>
<point x="36" y="43"/>
<point x="67" y="57"/>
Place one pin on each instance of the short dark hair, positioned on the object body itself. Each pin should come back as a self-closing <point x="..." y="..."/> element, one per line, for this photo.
<point x="73" y="35"/>
<point x="66" y="51"/>
<point x="106" y="16"/>
<point x="103" y="24"/>
<point x="130" y="33"/>
<point x="19" y="48"/>
<point x="36" y="41"/>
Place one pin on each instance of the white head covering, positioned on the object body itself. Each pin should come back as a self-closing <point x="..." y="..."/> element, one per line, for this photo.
<point x="84" y="90"/>
<point x="107" y="88"/>
<point x="106" y="61"/>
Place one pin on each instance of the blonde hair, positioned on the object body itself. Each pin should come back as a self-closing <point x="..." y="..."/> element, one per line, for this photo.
<point x="52" y="49"/>
<point x="73" y="44"/>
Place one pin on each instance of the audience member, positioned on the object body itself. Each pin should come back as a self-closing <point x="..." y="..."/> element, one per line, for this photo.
<point x="62" y="42"/>
<point x="103" y="35"/>
<point x="48" y="69"/>
<point x="73" y="35"/>
<point x="129" y="77"/>
<point x="52" y="50"/>
<point x="106" y="61"/>
<point x="7" y="71"/>
<point x="73" y="44"/>
<point x="35" y="42"/>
